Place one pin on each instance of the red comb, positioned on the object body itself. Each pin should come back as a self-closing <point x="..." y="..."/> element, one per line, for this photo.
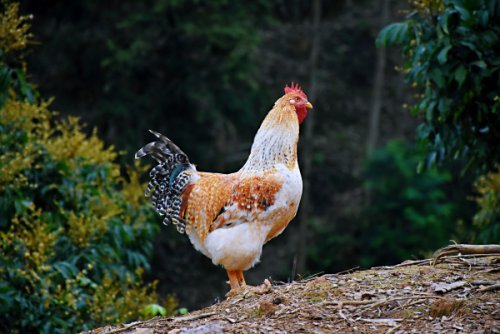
<point x="295" y="88"/>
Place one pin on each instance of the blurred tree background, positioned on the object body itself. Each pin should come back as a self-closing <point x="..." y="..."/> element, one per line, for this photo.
<point x="205" y="73"/>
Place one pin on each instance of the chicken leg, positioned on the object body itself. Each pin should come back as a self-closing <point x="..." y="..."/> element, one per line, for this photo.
<point x="236" y="279"/>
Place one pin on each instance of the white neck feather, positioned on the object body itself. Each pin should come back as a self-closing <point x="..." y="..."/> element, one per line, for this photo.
<point x="275" y="142"/>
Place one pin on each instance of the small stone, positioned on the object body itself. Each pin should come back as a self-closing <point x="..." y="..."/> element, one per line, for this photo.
<point x="174" y="331"/>
<point x="277" y="301"/>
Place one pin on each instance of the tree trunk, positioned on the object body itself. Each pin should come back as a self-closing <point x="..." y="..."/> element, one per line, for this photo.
<point x="378" y="87"/>
<point x="307" y="137"/>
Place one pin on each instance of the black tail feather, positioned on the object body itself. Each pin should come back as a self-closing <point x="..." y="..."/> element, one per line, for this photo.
<point x="168" y="179"/>
<point x="173" y="148"/>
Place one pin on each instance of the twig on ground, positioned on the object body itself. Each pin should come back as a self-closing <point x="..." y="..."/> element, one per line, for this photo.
<point x="310" y="277"/>
<point x="393" y="329"/>
<point x="348" y="271"/>
<point x="490" y="288"/>
<point x="387" y="322"/>
<point x="343" y="316"/>
<point x="370" y="304"/>
<point x="441" y="287"/>
<point x="128" y="327"/>
<point x="178" y="319"/>
<point x="193" y="317"/>
<point x="465" y="249"/>
<point x="484" y="282"/>
<point x="405" y="264"/>
<point x="431" y="261"/>
<point x="341" y="303"/>
<point x="466" y="262"/>
<point x="489" y="270"/>
<point x="390" y="300"/>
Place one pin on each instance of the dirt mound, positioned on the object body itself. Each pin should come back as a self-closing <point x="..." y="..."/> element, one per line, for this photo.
<point x="461" y="294"/>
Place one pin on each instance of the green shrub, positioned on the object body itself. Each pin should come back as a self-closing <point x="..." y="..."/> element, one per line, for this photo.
<point x="409" y="214"/>
<point x="406" y="214"/>
<point x="487" y="219"/>
<point x="75" y="236"/>
<point x="452" y="53"/>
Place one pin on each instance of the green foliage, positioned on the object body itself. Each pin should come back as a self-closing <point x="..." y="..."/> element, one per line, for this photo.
<point x="75" y="236"/>
<point x="409" y="214"/>
<point x="154" y="309"/>
<point x="487" y="219"/>
<point x="14" y="34"/>
<point x="183" y="311"/>
<point x="406" y="215"/>
<point x="14" y="37"/>
<point x="452" y="51"/>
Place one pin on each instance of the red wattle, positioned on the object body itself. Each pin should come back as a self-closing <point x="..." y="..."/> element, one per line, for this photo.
<point x="301" y="114"/>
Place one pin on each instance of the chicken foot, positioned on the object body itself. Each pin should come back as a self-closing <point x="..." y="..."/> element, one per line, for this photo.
<point x="236" y="279"/>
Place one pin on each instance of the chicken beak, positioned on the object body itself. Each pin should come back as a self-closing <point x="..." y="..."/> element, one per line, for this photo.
<point x="309" y="105"/>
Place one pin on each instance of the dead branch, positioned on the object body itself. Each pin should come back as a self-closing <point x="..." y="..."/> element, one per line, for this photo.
<point x="441" y="287"/>
<point x="341" y="303"/>
<point x="465" y="249"/>
<point x="387" y="322"/>
<point x="193" y="317"/>
<point x="127" y="327"/>
<point x="405" y="264"/>
<point x="374" y="303"/>
<point x="348" y="271"/>
<point x="390" y="300"/>
<point x="490" y="288"/>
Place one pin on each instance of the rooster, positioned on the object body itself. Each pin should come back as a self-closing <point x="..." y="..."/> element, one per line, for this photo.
<point x="229" y="217"/>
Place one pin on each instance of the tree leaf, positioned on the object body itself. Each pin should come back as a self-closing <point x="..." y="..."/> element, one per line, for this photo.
<point x="460" y="75"/>
<point x="438" y="77"/>
<point x="443" y="54"/>
<point x="480" y="64"/>
<point x="431" y="159"/>
<point x="465" y="15"/>
<point x="395" y="33"/>
<point x="5" y="76"/>
<point x="152" y="310"/>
